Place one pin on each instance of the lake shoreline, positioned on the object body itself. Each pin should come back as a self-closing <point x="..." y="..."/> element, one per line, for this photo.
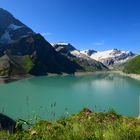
<point x="8" y="79"/>
<point x="133" y="76"/>
<point x="57" y="95"/>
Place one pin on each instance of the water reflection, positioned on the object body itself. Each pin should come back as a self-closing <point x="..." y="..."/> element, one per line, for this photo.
<point x="54" y="97"/>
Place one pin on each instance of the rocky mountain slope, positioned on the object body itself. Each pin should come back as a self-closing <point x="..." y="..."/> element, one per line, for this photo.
<point x="38" y="55"/>
<point x="23" y="51"/>
<point x="74" y="55"/>
<point x="109" y="57"/>
<point x="11" y="29"/>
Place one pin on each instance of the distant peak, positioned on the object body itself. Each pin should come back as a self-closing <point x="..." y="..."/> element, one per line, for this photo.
<point x="11" y="29"/>
<point x="90" y="50"/>
<point x="115" y="49"/>
<point x="60" y="43"/>
<point x="3" y="11"/>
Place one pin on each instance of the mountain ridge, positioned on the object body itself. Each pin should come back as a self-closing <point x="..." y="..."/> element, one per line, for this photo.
<point x="24" y="51"/>
<point x="110" y="57"/>
<point x="19" y="41"/>
<point x="11" y="29"/>
<point x="107" y="57"/>
<point x="73" y="54"/>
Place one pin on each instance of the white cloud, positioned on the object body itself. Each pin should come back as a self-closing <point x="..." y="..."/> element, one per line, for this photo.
<point x="46" y="34"/>
<point x="101" y="43"/>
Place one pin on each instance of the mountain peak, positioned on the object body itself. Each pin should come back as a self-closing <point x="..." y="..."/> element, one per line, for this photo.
<point x="115" y="49"/>
<point x="109" y="57"/>
<point x="11" y="29"/>
<point x="4" y="11"/>
<point x="60" y="44"/>
<point x="63" y="47"/>
<point x="88" y="52"/>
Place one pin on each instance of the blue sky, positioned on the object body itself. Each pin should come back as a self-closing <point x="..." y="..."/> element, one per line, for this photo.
<point x="87" y="24"/>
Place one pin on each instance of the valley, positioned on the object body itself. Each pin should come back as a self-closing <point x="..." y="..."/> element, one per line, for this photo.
<point x="23" y="52"/>
<point x="71" y="73"/>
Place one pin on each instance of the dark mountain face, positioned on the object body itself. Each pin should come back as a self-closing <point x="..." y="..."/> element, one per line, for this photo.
<point x="64" y="48"/>
<point x="11" y="29"/>
<point x="44" y="58"/>
<point x="23" y="51"/>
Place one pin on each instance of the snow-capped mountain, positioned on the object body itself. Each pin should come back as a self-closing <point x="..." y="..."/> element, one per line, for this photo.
<point x="83" y="60"/>
<point x="88" y="52"/>
<point x="19" y="45"/>
<point x="109" y="57"/>
<point x="67" y="48"/>
<point x="11" y="29"/>
<point x="63" y="47"/>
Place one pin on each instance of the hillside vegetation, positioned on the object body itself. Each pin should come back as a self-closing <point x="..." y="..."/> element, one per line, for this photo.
<point x="133" y="66"/>
<point x="84" y="126"/>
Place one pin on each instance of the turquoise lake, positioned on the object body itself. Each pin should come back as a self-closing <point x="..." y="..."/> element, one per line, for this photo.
<point x="58" y="96"/>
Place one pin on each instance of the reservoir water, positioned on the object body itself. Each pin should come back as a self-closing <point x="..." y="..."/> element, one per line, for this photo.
<point x="58" y="96"/>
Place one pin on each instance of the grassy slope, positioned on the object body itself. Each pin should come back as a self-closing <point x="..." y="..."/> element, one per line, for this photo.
<point x="133" y="66"/>
<point x="4" y="66"/>
<point x="20" y="64"/>
<point x="12" y="65"/>
<point x="83" y="126"/>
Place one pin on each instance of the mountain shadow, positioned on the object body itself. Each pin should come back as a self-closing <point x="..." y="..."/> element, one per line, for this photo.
<point x="43" y="56"/>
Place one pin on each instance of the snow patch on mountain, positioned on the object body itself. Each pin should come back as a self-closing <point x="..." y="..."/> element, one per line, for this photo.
<point x="106" y="54"/>
<point x="5" y="38"/>
<point x="14" y="27"/>
<point x="66" y="48"/>
<point x="110" y="56"/>
<point x="60" y="44"/>
<point x="76" y="53"/>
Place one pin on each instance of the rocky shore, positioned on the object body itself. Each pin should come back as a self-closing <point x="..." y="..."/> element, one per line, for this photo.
<point x="8" y="79"/>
